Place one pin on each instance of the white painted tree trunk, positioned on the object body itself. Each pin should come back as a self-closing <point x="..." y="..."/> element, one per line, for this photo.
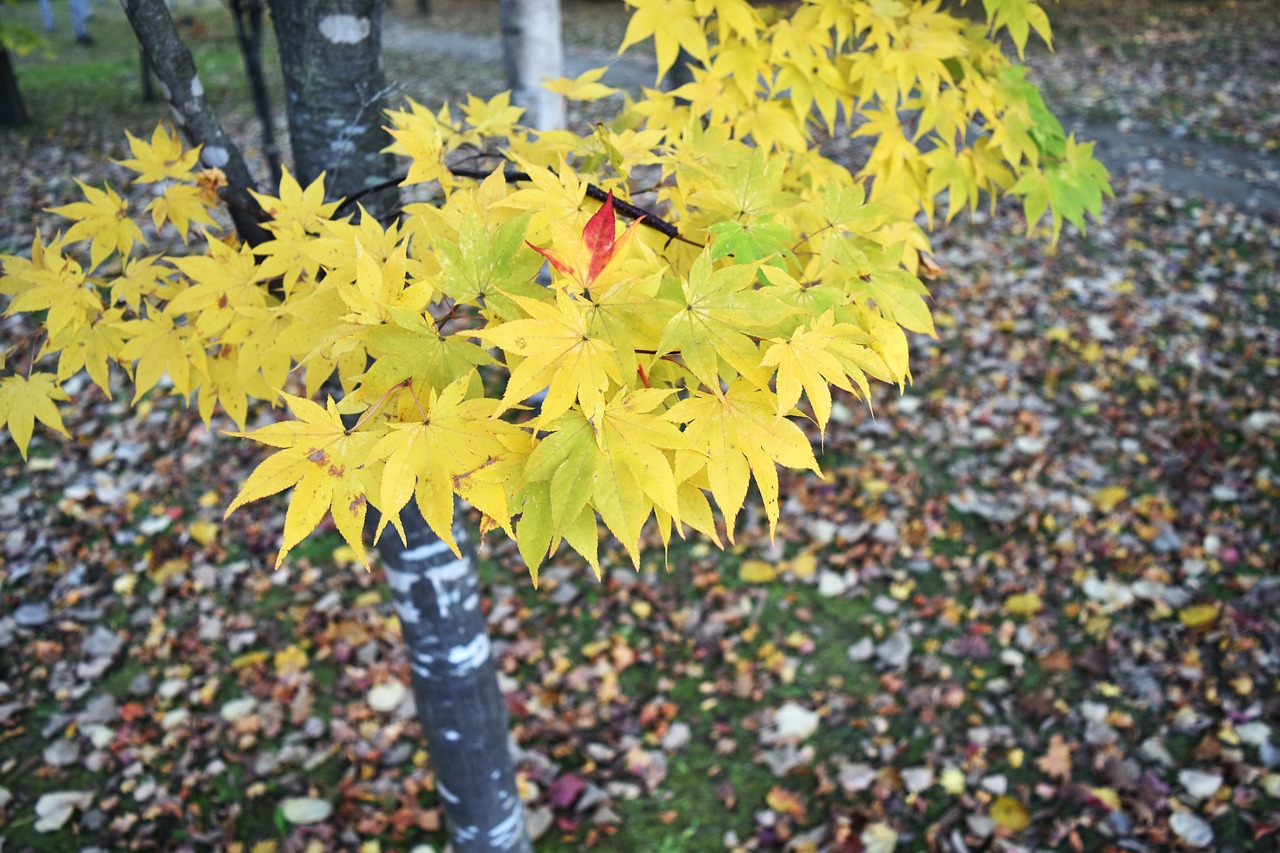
<point x="532" y="52"/>
<point x="455" y="684"/>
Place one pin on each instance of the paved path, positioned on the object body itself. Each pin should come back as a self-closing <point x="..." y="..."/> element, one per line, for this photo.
<point x="1224" y="173"/>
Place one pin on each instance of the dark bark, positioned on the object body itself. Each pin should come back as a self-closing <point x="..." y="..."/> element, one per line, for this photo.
<point x="424" y="7"/>
<point x="148" y="79"/>
<point x="247" y="15"/>
<point x="176" y="70"/>
<point x="463" y="713"/>
<point x="13" y="113"/>
<point x="336" y="91"/>
<point x="680" y="72"/>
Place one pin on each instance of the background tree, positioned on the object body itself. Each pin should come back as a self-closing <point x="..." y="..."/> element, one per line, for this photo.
<point x="20" y="40"/>
<point x="668" y="358"/>
<point x="532" y="54"/>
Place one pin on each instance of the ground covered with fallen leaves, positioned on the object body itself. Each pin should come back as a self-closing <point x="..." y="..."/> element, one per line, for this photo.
<point x="1033" y="604"/>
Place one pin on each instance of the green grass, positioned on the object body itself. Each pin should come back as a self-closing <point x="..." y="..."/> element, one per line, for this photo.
<point x="68" y="82"/>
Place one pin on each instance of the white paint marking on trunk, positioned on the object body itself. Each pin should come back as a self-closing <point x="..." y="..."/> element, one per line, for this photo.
<point x="507" y="834"/>
<point x="345" y="29"/>
<point x="421" y="663"/>
<point x="197" y="88"/>
<point x="165" y="90"/>
<point x="398" y="580"/>
<point x="178" y="118"/>
<point x="452" y="735"/>
<point x="447" y="795"/>
<point x="215" y="155"/>
<point x="408" y="611"/>
<point x="441" y="577"/>
<point x="472" y="602"/>
<point x="466" y="833"/>
<point x="465" y="658"/>
<point x="424" y="552"/>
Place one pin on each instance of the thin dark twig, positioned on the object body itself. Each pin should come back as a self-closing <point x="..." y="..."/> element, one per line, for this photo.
<point x="624" y="208"/>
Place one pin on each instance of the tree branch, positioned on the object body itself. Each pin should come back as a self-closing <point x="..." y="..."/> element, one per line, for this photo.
<point x="647" y="218"/>
<point x="176" y="70"/>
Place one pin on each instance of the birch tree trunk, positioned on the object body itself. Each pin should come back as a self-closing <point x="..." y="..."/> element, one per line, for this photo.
<point x="335" y="92"/>
<point x="455" y="684"/>
<point x="532" y="52"/>
<point x="323" y="47"/>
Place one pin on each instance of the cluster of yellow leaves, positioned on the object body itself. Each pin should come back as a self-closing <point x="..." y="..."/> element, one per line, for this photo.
<point x="655" y="372"/>
<point x="945" y="109"/>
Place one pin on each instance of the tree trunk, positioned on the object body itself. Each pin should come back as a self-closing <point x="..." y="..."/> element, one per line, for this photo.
<point x="12" y="111"/>
<point x="336" y="90"/>
<point x="326" y="49"/>
<point x="147" y="78"/>
<point x="455" y="684"/>
<point x="247" y="15"/>
<point x="532" y="52"/>
<point x="172" y="63"/>
<point x="424" y="7"/>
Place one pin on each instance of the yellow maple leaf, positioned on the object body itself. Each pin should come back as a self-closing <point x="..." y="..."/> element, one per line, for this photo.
<point x="156" y="347"/>
<point x="103" y="217"/>
<point x="419" y="135"/>
<point x="585" y="87"/>
<point x="806" y="361"/>
<point x="323" y="463"/>
<point x="297" y="211"/>
<point x="557" y="354"/>
<point x="181" y="204"/>
<point x="161" y="158"/>
<point x="23" y="400"/>
<point x="673" y="25"/>
<point x="425" y="459"/>
<point x="738" y="434"/>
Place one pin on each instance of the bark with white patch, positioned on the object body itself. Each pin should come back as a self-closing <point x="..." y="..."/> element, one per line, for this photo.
<point x="532" y="52"/>
<point x="455" y="684"/>
<point x="336" y="91"/>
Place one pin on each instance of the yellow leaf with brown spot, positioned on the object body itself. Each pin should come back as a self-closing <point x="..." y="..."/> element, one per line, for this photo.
<point x="324" y="465"/>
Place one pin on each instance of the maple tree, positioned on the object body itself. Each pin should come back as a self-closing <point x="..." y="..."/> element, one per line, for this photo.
<point x="672" y="358"/>
<point x="662" y="366"/>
